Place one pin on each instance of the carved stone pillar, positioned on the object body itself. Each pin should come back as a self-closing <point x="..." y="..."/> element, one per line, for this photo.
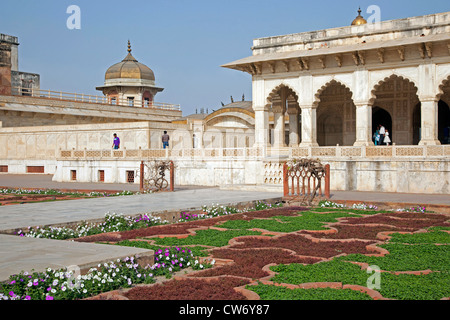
<point x="293" y="111"/>
<point x="429" y="119"/>
<point x="309" y="126"/>
<point x="261" y="126"/>
<point x="279" y="125"/>
<point x="363" y="125"/>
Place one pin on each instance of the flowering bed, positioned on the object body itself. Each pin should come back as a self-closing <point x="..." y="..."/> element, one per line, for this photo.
<point x="281" y="253"/>
<point x="10" y="196"/>
<point x="67" y="285"/>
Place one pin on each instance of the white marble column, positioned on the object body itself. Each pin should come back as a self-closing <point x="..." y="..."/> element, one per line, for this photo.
<point x="309" y="126"/>
<point x="279" y="125"/>
<point x="363" y="125"/>
<point x="261" y="126"/>
<point x="293" y="126"/>
<point x="429" y="119"/>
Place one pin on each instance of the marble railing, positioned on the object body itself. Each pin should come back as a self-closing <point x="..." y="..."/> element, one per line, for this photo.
<point x="336" y="152"/>
<point x="371" y="152"/>
<point x="129" y="154"/>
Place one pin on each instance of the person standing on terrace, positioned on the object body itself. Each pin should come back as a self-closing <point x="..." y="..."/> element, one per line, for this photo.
<point x="116" y="142"/>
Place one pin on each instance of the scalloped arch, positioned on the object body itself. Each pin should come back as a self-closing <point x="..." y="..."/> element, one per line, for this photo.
<point x="386" y="79"/>
<point x="445" y="82"/>
<point x="326" y="86"/>
<point x="277" y="89"/>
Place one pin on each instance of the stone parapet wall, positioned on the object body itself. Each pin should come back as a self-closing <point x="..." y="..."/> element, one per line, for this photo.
<point x="351" y="35"/>
<point x="93" y="109"/>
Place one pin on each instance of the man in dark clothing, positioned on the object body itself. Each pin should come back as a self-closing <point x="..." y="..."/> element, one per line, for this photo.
<point x="165" y="139"/>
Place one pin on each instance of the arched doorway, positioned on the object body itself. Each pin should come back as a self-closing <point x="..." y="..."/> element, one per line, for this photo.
<point x="444" y="112"/>
<point x="417" y="124"/>
<point x="284" y="122"/>
<point x="336" y="116"/>
<point x="397" y="96"/>
<point x="443" y="122"/>
<point x="382" y="117"/>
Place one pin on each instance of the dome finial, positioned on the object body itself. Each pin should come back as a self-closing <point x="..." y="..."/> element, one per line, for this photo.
<point x="359" y="20"/>
<point x="129" y="46"/>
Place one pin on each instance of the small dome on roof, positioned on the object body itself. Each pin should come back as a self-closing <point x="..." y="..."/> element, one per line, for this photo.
<point x="359" y="20"/>
<point x="129" y="68"/>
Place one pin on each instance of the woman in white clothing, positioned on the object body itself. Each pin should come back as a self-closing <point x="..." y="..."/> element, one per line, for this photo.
<point x="387" y="140"/>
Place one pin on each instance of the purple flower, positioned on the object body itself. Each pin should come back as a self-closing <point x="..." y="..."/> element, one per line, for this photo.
<point x="49" y="298"/>
<point x="27" y="298"/>
<point x="12" y="282"/>
<point x="11" y="293"/>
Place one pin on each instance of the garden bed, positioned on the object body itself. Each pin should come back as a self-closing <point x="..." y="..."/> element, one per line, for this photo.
<point x="296" y="254"/>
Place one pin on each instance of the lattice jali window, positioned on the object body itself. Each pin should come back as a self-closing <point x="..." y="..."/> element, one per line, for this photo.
<point x="106" y="153"/>
<point x="232" y="152"/>
<point x="130" y="176"/>
<point x="446" y="150"/>
<point x="153" y="153"/>
<point x="188" y="152"/>
<point x="408" y="151"/>
<point x="66" y="154"/>
<point x="379" y="151"/>
<point x="3" y="168"/>
<point x="132" y="153"/>
<point x="323" y="151"/>
<point x="351" y="152"/>
<point x="211" y="153"/>
<point x="304" y="179"/>
<point x="436" y="151"/>
<point x="78" y="154"/>
<point x="177" y="153"/>
<point x="117" y="153"/>
<point x="300" y="152"/>
<point x="93" y="154"/>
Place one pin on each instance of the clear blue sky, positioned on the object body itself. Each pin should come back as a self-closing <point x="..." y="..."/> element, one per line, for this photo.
<point x="183" y="42"/>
